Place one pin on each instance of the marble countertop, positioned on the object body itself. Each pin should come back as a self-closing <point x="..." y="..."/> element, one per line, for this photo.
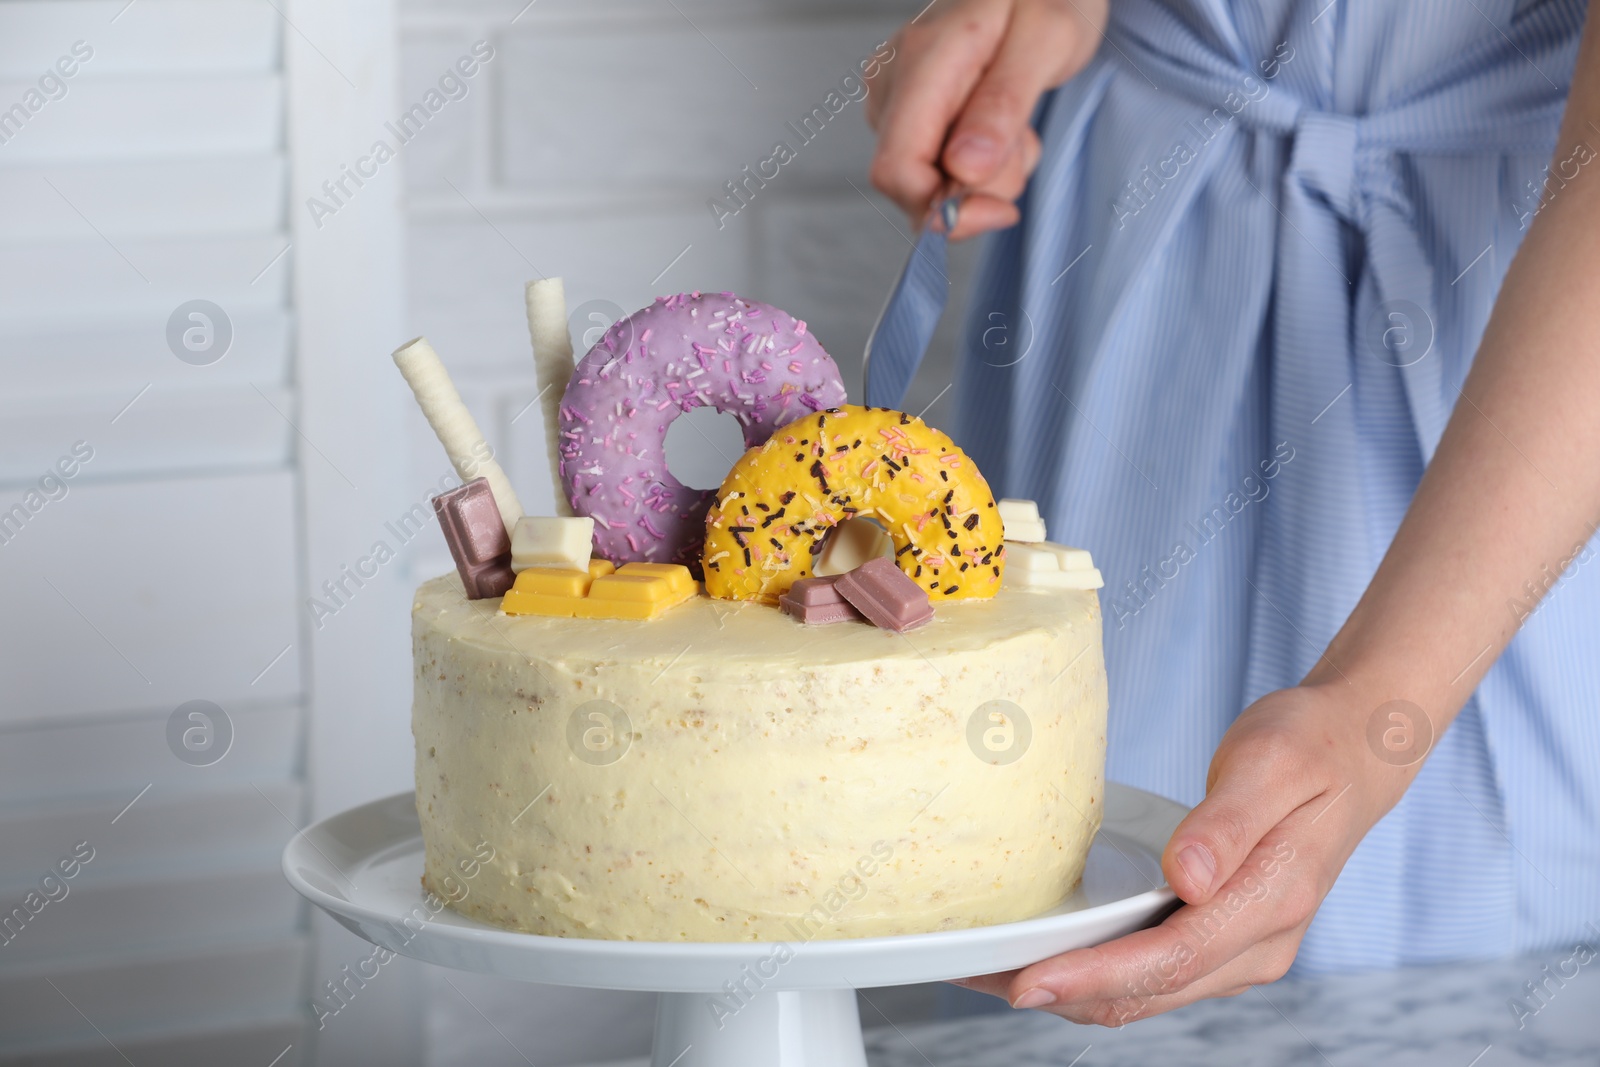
<point x="1456" y="1015"/>
<point x="1459" y="1015"/>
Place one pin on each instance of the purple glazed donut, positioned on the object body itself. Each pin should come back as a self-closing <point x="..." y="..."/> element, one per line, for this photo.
<point x="746" y="359"/>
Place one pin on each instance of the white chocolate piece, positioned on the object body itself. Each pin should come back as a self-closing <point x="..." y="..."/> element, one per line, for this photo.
<point x="1046" y="566"/>
<point x="1021" y="521"/>
<point x="457" y="431"/>
<point x="1029" y="559"/>
<point x="852" y="544"/>
<point x="552" y="364"/>
<point x="1084" y="579"/>
<point x="1071" y="559"/>
<point x="545" y="541"/>
<point x="1025" y="532"/>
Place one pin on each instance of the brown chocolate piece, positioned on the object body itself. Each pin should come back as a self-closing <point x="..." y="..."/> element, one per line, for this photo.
<point x="816" y="600"/>
<point x="477" y="538"/>
<point x="881" y="592"/>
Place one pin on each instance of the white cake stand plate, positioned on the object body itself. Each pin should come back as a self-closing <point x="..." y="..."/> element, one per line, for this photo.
<point x="733" y="1004"/>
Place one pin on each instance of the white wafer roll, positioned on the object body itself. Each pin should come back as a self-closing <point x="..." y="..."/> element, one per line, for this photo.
<point x="463" y="442"/>
<point x="552" y="364"/>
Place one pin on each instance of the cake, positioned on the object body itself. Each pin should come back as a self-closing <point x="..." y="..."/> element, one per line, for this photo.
<point x="913" y="743"/>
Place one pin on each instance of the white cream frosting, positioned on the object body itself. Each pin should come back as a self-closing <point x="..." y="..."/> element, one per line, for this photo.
<point x="776" y="782"/>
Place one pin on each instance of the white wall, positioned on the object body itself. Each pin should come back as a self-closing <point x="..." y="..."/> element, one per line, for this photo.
<point x="165" y="569"/>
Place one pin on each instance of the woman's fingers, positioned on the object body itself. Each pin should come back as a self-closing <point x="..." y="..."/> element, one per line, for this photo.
<point x="992" y="206"/>
<point x="936" y="64"/>
<point x="1245" y="935"/>
<point x="1044" y="43"/>
<point x="981" y="213"/>
<point x="1256" y="781"/>
<point x="1257" y="966"/>
<point x="955" y="101"/>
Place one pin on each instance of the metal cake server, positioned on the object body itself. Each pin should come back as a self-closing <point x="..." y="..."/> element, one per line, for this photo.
<point x="900" y="337"/>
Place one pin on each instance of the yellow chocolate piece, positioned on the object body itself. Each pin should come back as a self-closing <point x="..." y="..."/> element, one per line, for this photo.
<point x="546" y="591"/>
<point x="637" y="591"/>
<point x="554" y="581"/>
<point x="769" y="520"/>
<point x="677" y="576"/>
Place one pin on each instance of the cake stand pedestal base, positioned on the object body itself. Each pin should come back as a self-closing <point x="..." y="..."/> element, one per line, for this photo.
<point x="795" y="1028"/>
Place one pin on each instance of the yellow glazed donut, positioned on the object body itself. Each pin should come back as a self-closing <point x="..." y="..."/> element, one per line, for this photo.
<point x="772" y="516"/>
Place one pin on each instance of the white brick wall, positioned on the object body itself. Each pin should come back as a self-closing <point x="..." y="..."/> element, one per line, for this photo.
<point x="588" y="148"/>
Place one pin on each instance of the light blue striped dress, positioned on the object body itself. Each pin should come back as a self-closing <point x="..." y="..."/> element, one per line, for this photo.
<point x="1255" y="262"/>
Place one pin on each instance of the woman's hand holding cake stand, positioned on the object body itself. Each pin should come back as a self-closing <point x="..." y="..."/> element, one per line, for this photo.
<point x="1292" y="790"/>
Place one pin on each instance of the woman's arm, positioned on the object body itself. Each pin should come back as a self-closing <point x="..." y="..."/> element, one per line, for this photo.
<point x="1514" y="487"/>
<point x="1511" y="495"/>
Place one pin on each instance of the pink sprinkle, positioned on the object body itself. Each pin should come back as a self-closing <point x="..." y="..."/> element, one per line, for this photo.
<point x="643" y="337"/>
<point x="953" y="460"/>
<point x="795" y="368"/>
<point x="800" y="327"/>
<point x="626" y="495"/>
<point x="667" y="403"/>
<point x="644" y="521"/>
<point x="632" y="543"/>
<point x="765" y="365"/>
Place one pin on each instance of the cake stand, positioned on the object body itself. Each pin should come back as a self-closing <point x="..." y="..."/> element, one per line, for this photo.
<point x="733" y="1004"/>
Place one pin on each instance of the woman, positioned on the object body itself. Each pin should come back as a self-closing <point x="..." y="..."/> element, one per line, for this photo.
<point x="1248" y="255"/>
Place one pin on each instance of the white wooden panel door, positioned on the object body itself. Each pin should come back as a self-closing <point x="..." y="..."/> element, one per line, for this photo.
<point x="172" y="490"/>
